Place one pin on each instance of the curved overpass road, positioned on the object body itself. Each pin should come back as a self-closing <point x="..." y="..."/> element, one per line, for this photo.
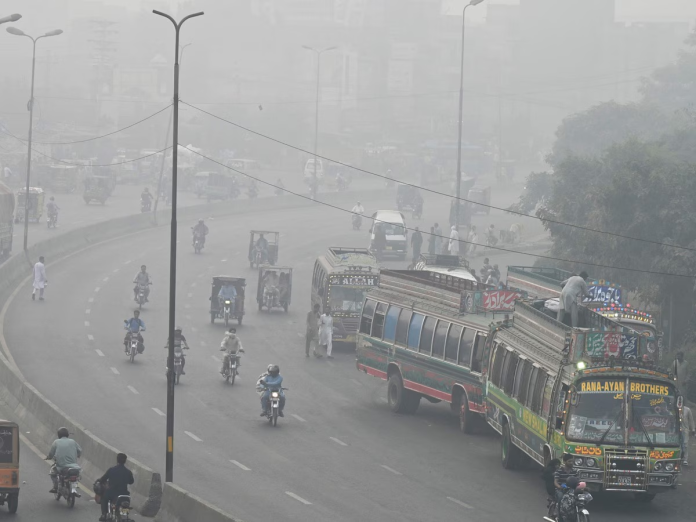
<point x="339" y="454"/>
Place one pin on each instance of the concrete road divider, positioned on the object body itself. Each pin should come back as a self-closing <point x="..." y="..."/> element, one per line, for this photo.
<point x="178" y="505"/>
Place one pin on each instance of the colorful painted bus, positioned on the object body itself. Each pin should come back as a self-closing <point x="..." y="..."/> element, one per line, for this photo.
<point x="341" y="278"/>
<point x="550" y="389"/>
<point x="415" y="334"/>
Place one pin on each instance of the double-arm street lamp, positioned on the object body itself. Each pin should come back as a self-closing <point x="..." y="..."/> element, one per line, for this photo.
<point x="318" y="52"/>
<point x="461" y="116"/>
<point x="10" y="18"/>
<point x="30" y="107"/>
<point x="169" y="463"/>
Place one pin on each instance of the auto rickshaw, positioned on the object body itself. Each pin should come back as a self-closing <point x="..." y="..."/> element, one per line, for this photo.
<point x="63" y="178"/>
<point x="9" y="465"/>
<point x="227" y="309"/>
<point x="256" y="255"/>
<point x="409" y="197"/>
<point x="97" y="188"/>
<point x="480" y="194"/>
<point x="221" y="186"/>
<point x="35" y="202"/>
<point x="200" y="182"/>
<point x="274" y="289"/>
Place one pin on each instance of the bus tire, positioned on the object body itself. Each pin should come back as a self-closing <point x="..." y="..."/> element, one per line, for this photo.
<point x="510" y="454"/>
<point x="400" y="399"/>
<point x="466" y="418"/>
<point x="412" y="401"/>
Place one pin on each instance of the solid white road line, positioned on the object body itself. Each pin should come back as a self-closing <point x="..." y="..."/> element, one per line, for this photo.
<point x="240" y="465"/>
<point x="463" y="504"/>
<point x="337" y="441"/>
<point x="298" y="418"/>
<point x="159" y="412"/>
<point x="193" y="436"/>
<point x="297" y="497"/>
<point x="115" y="370"/>
<point x="90" y="337"/>
<point x="86" y="323"/>
<point x="390" y="469"/>
<point x="133" y="390"/>
<point x="99" y="353"/>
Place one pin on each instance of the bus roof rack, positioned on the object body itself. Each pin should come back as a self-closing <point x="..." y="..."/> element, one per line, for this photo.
<point x="443" y="260"/>
<point x="354" y="259"/>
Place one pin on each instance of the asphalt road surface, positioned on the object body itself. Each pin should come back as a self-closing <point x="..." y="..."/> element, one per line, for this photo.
<point x="338" y="455"/>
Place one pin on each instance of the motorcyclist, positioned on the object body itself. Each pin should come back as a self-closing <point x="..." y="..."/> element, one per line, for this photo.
<point x="271" y="382"/>
<point x="65" y="452"/>
<point x="146" y="197"/>
<point x="180" y="345"/>
<point x="118" y="479"/>
<point x="358" y="209"/>
<point x="233" y="346"/>
<point x="135" y="325"/>
<point x="270" y="284"/>
<point x="561" y="476"/>
<point x="200" y="230"/>
<point x="142" y="278"/>
<point x="52" y="209"/>
<point x="227" y="291"/>
<point x="262" y="246"/>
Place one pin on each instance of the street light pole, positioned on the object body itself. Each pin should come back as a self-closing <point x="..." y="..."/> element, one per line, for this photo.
<point x="461" y="116"/>
<point x="316" y="113"/>
<point x="169" y="462"/>
<point x="30" y="107"/>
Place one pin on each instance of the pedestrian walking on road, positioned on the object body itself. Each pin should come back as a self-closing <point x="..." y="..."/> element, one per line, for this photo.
<point x="437" y="231"/>
<point x="416" y="244"/>
<point x="432" y="242"/>
<point x="681" y="371"/>
<point x="312" y="336"/>
<point x="39" y="279"/>
<point x="326" y="331"/>
<point x="454" y="241"/>
<point x="473" y="240"/>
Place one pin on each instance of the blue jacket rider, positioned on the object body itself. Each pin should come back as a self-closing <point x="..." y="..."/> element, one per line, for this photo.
<point x="228" y="291"/>
<point x="272" y="381"/>
<point x="135" y="325"/>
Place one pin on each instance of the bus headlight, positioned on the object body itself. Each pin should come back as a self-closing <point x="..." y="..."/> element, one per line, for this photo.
<point x="669" y="466"/>
<point x="657" y="466"/>
<point x="590" y="463"/>
<point x="579" y="462"/>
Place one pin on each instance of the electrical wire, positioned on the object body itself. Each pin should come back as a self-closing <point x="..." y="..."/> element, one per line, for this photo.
<point x="96" y="137"/>
<point x="105" y="165"/>
<point x="508" y="250"/>
<point x="543" y="220"/>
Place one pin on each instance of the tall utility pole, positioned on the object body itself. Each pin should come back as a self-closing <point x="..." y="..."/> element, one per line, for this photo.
<point x="30" y="107"/>
<point x="169" y="463"/>
<point x="318" y="52"/>
<point x="457" y="203"/>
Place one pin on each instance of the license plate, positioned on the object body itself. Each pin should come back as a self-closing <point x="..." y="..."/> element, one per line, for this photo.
<point x="625" y="481"/>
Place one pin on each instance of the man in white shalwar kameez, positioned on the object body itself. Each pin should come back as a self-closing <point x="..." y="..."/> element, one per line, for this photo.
<point x="688" y="429"/>
<point x="39" y="279"/>
<point x="454" y="241"/>
<point x="326" y="331"/>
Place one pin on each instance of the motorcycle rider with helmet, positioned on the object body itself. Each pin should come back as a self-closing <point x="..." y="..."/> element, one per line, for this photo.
<point x="232" y="345"/>
<point x="200" y="230"/>
<point x="65" y="451"/>
<point x="52" y="210"/>
<point x="146" y="198"/>
<point x="135" y="325"/>
<point x="180" y="345"/>
<point x="271" y="381"/>
<point x="142" y="278"/>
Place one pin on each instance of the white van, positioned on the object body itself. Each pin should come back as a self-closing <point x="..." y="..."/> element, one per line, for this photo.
<point x="309" y="169"/>
<point x="395" y="229"/>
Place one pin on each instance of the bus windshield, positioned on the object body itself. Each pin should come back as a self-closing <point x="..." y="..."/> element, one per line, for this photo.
<point x="598" y="412"/>
<point x="347" y="299"/>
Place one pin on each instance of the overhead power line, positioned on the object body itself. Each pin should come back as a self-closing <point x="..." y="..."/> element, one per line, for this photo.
<point x="508" y="250"/>
<point x="555" y="222"/>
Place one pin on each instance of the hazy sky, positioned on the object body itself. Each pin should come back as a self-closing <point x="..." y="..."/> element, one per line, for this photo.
<point x="626" y="9"/>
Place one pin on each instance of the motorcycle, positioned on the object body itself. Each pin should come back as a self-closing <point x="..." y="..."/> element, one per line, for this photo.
<point x="178" y="364"/>
<point x="230" y="372"/>
<point x="51" y="220"/>
<point x="274" y="406"/>
<point x="227" y="311"/>
<point x="572" y="507"/>
<point x="141" y="295"/>
<point x="132" y="344"/>
<point x="357" y="221"/>
<point x="68" y="480"/>
<point x="198" y="243"/>
<point x="119" y="511"/>
<point x="257" y="257"/>
<point x="145" y="205"/>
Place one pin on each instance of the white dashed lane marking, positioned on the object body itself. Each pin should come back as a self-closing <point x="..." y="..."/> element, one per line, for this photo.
<point x="390" y="469"/>
<point x="114" y="370"/>
<point x="297" y="497"/>
<point x="97" y="289"/>
<point x="115" y="271"/>
<point x="338" y="441"/>
<point x="356" y="382"/>
<point x="133" y="390"/>
<point x="105" y="279"/>
<point x="300" y="334"/>
<point x="299" y="418"/>
<point x="214" y="358"/>
<point x="128" y="262"/>
<point x="189" y="294"/>
<point x="90" y="337"/>
<point x="193" y="436"/>
<point x="99" y="353"/>
<point x="86" y="323"/>
<point x="90" y="300"/>
<point x="159" y="412"/>
<point x="88" y="311"/>
<point x="463" y="504"/>
<point x="240" y="465"/>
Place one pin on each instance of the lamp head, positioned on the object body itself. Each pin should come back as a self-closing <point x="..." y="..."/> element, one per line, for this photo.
<point x="15" y="31"/>
<point x="54" y="33"/>
<point x="475" y="2"/>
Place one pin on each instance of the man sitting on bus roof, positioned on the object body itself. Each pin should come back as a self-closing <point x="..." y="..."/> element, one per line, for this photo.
<point x="573" y="287"/>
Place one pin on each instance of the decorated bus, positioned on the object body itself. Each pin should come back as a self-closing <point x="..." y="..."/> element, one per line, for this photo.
<point x="591" y="391"/>
<point x="341" y="278"/>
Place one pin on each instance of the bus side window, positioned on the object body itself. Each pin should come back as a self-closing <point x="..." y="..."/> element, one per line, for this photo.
<point x="390" y="323"/>
<point x="452" y="344"/>
<point x="367" y="314"/>
<point x="426" y="342"/>
<point x="477" y="358"/>
<point x="560" y="406"/>
<point x="509" y="372"/>
<point x="465" y="347"/>
<point x="546" y="401"/>
<point x="378" y="322"/>
<point x="402" y="327"/>
<point x="519" y="377"/>
<point x="530" y="389"/>
<point x="414" y="331"/>
<point x="522" y="386"/>
<point x="499" y="353"/>
<point x="439" y="339"/>
<point x="538" y="392"/>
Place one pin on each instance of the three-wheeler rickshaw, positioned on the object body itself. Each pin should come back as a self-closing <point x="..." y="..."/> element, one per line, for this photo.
<point x="227" y="299"/>
<point x="97" y="188"/>
<point x="35" y="202"/>
<point x="9" y="465"/>
<point x="274" y="289"/>
<point x="263" y="247"/>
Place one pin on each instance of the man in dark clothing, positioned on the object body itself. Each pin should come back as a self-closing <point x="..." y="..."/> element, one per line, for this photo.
<point x="119" y="478"/>
<point x="416" y="244"/>
<point x="379" y="243"/>
<point x="561" y="476"/>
